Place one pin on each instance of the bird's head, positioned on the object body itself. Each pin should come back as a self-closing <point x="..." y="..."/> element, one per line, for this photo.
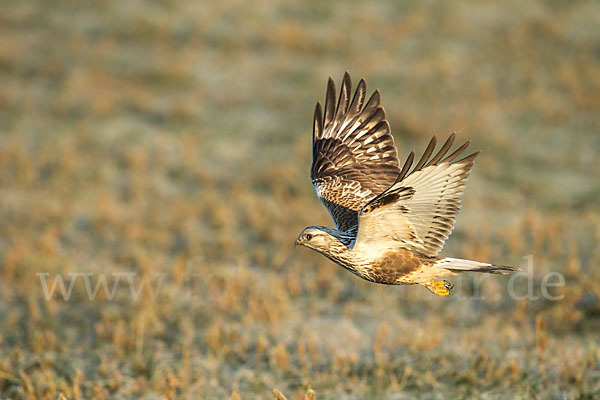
<point x="321" y="238"/>
<point x="314" y="237"/>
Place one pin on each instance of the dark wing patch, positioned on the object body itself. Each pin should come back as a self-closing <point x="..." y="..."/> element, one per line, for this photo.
<point x="354" y="157"/>
<point x="348" y="217"/>
<point x="400" y="194"/>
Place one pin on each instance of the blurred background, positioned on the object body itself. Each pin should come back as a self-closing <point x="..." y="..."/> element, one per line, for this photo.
<point x="167" y="145"/>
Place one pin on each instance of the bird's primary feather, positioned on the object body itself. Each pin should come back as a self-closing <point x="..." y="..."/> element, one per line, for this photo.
<point x="354" y="157"/>
<point x="418" y="212"/>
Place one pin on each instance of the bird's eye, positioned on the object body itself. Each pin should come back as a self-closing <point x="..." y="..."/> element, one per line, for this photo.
<point x="308" y="236"/>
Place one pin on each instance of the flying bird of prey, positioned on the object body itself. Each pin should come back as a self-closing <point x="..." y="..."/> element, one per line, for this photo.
<point x="391" y="221"/>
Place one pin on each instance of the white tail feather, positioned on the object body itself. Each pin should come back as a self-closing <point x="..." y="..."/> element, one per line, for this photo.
<point x="459" y="265"/>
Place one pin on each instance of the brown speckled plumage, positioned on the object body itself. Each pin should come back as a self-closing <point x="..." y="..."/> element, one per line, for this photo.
<point x="391" y="221"/>
<point x="393" y="266"/>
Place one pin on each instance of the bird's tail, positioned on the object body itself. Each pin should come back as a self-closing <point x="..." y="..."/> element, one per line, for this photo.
<point x="459" y="265"/>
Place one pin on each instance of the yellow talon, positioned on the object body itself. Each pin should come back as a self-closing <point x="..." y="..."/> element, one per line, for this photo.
<point x="441" y="288"/>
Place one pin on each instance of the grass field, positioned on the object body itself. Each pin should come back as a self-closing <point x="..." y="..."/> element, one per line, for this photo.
<point x="165" y="147"/>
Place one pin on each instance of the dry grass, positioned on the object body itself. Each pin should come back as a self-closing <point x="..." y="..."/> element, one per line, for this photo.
<point x="173" y="138"/>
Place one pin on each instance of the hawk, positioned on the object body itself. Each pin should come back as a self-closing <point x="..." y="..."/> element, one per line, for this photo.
<point x="391" y="221"/>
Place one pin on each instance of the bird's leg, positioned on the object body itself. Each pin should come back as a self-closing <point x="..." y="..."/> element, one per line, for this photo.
<point x="441" y="288"/>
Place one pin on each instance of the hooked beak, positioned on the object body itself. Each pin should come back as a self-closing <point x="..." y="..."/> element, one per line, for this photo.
<point x="299" y="242"/>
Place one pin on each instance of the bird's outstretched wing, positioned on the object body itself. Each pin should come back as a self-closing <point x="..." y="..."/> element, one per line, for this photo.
<point x="354" y="157"/>
<point x="419" y="210"/>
